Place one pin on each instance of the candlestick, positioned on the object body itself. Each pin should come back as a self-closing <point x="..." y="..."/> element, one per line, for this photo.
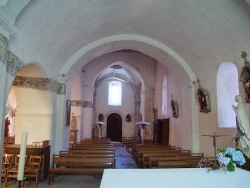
<point x="22" y="157"/>
<point x="142" y="130"/>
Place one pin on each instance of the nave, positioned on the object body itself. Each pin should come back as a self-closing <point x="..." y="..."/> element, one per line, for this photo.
<point x="124" y="160"/>
<point x="145" y="156"/>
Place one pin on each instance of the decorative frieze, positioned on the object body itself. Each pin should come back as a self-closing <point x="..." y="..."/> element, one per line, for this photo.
<point x="31" y="82"/>
<point x="44" y="84"/>
<point x="14" y="64"/>
<point x="76" y="103"/>
<point x="3" y="48"/>
<point x="87" y="104"/>
<point x="57" y="87"/>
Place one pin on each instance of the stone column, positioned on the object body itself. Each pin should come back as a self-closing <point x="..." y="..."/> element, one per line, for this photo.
<point x="60" y="132"/>
<point x="3" y="93"/>
<point x="148" y="111"/>
<point x="87" y="112"/>
<point x="137" y="90"/>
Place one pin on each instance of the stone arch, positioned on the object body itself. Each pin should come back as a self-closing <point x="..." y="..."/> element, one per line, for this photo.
<point x="148" y="46"/>
<point x="33" y="104"/>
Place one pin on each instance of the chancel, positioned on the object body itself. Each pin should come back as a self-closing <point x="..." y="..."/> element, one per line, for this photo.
<point x="117" y="84"/>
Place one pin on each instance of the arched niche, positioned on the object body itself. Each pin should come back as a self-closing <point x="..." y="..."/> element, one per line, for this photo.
<point x="33" y="105"/>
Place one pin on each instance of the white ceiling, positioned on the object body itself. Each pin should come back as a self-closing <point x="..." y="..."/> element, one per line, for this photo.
<point x="60" y="33"/>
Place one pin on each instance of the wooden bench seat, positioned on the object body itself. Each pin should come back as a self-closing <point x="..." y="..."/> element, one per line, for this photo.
<point x="140" y="155"/>
<point x="71" y="165"/>
<point x="179" y="162"/>
<point x="153" y="158"/>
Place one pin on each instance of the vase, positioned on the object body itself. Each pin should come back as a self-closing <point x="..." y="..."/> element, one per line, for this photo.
<point x="231" y="167"/>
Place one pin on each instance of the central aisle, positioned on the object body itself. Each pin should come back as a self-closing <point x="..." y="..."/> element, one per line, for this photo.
<point x="124" y="159"/>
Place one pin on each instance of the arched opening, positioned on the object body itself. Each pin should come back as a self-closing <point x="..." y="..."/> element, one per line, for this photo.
<point x="227" y="89"/>
<point x="33" y="108"/>
<point x="114" y="127"/>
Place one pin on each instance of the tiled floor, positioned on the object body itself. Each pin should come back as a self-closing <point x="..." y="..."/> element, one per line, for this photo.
<point x="123" y="161"/>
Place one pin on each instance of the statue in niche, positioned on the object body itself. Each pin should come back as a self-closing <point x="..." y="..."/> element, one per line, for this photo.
<point x="155" y="111"/>
<point x="6" y="128"/>
<point x="73" y="122"/>
<point x="174" y="106"/>
<point x="245" y="76"/>
<point x="203" y="98"/>
<point x="101" y="118"/>
<point x="128" y="118"/>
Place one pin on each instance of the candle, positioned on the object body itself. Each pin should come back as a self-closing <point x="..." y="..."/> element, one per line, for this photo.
<point x="22" y="157"/>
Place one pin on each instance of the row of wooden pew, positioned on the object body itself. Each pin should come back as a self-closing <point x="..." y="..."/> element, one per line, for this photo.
<point x="164" y="156"/>
<point x="90" y="156"/>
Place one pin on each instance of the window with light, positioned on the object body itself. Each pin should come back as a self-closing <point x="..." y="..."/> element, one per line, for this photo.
<point x="227" y="89"/>
<point x="164" y="95"/>
<point x="115" y="93"/>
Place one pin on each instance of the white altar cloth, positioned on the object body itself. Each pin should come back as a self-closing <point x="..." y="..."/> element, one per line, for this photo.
<point x="174" y="178"/>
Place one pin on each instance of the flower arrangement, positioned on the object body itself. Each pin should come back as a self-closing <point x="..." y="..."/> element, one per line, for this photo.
<point x="230" y="155"/>
<point x="205" y="163"/>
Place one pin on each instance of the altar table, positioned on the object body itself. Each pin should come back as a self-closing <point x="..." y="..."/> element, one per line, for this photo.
<point x="174" y="178"/>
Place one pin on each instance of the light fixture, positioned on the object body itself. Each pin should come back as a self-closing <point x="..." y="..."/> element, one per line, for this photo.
<point x="117" y="67"/>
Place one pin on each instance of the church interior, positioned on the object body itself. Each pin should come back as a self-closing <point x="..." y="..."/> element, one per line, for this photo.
<point x="124" y="75"/>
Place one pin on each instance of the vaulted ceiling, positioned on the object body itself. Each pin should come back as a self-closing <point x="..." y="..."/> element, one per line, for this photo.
<point x="60" y="33"/>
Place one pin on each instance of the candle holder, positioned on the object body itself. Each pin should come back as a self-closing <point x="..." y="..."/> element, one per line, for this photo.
<point x="99" y="123"/>
<point x="142" y="129"/>
<point x="20" y="183"/>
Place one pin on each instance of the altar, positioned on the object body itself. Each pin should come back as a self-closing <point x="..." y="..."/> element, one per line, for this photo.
<point x="174" y="178"/>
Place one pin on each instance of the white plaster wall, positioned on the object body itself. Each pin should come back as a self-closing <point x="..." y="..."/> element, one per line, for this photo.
<point x="33" y="115"/>
<point x="77" y="110"/>
<point x="127" y="107"/>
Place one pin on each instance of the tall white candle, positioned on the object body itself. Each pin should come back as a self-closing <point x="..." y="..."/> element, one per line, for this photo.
<point x="22" y="157"/>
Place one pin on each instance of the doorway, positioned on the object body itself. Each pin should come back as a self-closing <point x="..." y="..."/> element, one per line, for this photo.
<point x="114" y="127"/>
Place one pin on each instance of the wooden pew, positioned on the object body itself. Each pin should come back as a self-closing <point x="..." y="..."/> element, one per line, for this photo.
<point x="139" y="158"/>
<point x="154" y="157"/>
<point x="71" y="165"/>
<point x="135" y="141"/>
<point x="89" y="151"/>
<point x="179" y="162"/>
<point x="138" y="148"/>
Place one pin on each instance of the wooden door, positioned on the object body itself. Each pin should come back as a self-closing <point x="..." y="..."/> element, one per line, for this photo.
<point x="114" y="127"/>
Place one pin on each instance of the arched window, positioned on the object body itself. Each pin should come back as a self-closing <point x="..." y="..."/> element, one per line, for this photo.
<point x="115" y="93"/>
<point x="164" y="95"/>
<point x="227" y="89"/>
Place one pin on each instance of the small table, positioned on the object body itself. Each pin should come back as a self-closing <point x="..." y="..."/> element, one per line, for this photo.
<point x="174" y="178"/>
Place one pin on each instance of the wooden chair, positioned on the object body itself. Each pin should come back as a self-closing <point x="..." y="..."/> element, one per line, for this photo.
<point x="13" y="171"/>
<point x="129" y="143"/>
<point x="33" y="169"/>
<point x="124" y="141"/>
<point x="7" y="163"/>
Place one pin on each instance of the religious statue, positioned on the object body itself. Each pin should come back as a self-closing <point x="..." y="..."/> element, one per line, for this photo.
<point x="174" y="106"/>
<point x="155" y="111"/>
<point x="101" y="118"/>
<point x="73" y="122"/>
<point x="245" y="77"/>
<point x="203" y="98"/>
<point x="6" y="128"/>
<point x="128" y="118"/>
<point x="242" y="123"/>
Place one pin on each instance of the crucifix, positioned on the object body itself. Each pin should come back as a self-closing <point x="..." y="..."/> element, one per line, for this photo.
<point x="214" y="136"/>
